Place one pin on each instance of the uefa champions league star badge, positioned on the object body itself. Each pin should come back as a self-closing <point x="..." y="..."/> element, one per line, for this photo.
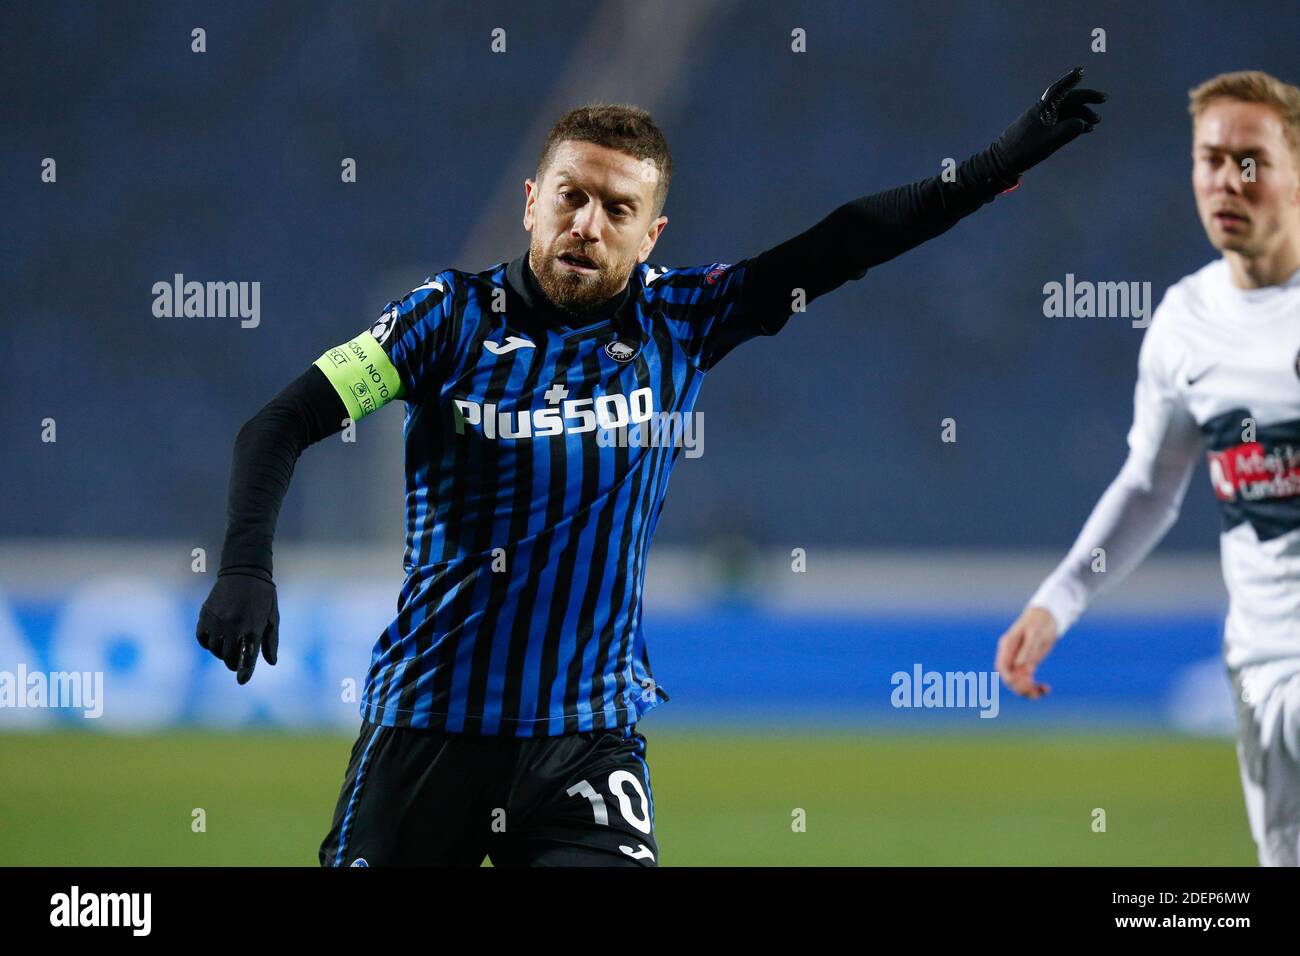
<point x="621" y="351"/>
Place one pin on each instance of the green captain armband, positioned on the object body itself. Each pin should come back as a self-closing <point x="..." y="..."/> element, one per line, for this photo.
<point x="362" y="374"/>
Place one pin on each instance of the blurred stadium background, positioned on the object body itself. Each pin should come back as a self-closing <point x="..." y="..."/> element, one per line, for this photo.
<point x="225" y="166"/>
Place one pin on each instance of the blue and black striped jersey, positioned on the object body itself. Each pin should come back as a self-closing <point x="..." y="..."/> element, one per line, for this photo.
<point x="538" y="451"/>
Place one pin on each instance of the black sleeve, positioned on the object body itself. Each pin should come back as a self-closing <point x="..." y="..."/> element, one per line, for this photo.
<point x="266" y="450"/>
<point x="866" y="232"/>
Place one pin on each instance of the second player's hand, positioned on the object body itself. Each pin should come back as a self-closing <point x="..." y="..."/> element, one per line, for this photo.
<point x="1059" y="115"/>
<point x="1022" y="648"/>
<point x="240" y="617"/>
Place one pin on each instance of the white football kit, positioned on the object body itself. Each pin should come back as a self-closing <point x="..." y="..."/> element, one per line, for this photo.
<point x="1219" y="380"/>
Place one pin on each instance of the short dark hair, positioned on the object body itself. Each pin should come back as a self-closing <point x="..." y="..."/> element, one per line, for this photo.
<point x="628" y="129"/>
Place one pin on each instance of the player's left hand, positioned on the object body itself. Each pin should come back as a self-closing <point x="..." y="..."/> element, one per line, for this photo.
<point x="1060" y="115"/>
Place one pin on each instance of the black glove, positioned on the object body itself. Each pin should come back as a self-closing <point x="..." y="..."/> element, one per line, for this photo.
<point x="239" y="617"/>
<point x="1058" y="117"/>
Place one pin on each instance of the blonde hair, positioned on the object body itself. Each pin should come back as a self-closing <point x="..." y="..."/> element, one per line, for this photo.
<point x="1252" y="86"/>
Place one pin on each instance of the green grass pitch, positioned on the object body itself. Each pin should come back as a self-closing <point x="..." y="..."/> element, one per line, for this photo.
<point x="720" y="799"/>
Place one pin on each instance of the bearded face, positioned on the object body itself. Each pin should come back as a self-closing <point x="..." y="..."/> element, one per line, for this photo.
<point x="590" y="216"/>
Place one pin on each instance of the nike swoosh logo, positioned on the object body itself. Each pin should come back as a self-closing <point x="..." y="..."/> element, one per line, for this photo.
<point x="511" y="343"/>
<point x="642" y="854"/>
<point x="1192" y="380"/>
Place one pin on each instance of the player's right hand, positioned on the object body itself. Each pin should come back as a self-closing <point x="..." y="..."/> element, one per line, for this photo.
<point x="1022" y="648"/>
<point x="240" y="617"/>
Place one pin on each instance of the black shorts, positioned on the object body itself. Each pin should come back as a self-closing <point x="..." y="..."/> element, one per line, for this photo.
<point x="424" y="797"/>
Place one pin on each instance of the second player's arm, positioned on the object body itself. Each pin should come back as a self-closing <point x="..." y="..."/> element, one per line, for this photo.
<point x="1129" y="519"/>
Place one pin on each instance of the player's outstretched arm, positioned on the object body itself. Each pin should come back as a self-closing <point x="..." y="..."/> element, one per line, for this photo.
<point x="876" y="228"/>
<point x="1129" y="519"/>
<point x="240" y="616"/>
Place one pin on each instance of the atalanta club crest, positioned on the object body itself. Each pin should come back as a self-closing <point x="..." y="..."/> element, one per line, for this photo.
<point x="621" y="351"/>
<point x="712" y="276"/>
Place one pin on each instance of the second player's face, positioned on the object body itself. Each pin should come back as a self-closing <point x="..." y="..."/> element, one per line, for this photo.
<point x="591" y="222"/>
<point x="1241" y="215"/>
